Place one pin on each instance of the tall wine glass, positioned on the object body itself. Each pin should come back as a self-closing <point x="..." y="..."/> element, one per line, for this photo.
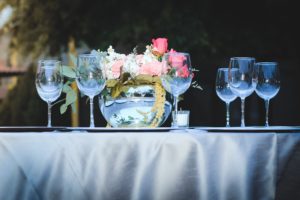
<point x="177" y="76"/>
<point x="223" y="90"/>
<point x="268" y="83"/>
<point x="90" y="79"/>
<point x="49" y="82"/>
<point x="241" y="81"/>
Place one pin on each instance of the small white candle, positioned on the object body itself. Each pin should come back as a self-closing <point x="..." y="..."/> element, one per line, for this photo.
<point x="182" y="118"/>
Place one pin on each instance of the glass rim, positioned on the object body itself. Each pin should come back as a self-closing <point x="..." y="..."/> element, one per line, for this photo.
<point x="227" y="69"/>
<point x="181" y="112"/>
<point x="267" y="63"/>
<point x="87" y="55"/>
<point x="242" y="58"/>
<point x="182" y="53"/>
<point x="49" y="63"/>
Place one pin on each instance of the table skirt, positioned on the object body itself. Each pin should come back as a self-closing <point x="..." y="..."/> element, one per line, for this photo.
<point x="190" y="164"/>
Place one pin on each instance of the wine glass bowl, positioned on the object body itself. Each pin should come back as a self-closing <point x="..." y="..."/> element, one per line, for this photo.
<point x="177" y="76"/>
<point x="176" y="85"/>
<point x="268" y="83"/>
<point x="242" y="79"/>
<point x="89" y="78"/>
<point x="223" y="90"/>
<point x="268" y="79"/>
<point x="49" y="82"/>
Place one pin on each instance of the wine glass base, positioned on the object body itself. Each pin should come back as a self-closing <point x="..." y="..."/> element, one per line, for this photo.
<point x="174" y="125"/>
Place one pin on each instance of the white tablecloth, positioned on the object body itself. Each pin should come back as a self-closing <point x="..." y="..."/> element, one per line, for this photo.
<point x="174" y="165"/>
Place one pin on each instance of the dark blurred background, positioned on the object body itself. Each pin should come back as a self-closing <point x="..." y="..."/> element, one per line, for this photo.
<point x="211" y="31"/>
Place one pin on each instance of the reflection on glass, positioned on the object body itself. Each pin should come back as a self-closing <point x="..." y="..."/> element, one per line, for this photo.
<point x="223" y="90"/>
<point x="49" y="82"/>
<point x="177" y="76"/>
<point x="90" y="79"/>
<point x="268" y="83"/>
<point x="241" y="80"/>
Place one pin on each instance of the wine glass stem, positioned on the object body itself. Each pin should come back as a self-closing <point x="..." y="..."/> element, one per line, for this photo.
<point x="49" y="114"/>
<point x="227" y="115"/>
<point x="91" y="112"/>
<point x="267" y="112"/>
<point x="175" y="111"/>
<point x="243" y="112"/>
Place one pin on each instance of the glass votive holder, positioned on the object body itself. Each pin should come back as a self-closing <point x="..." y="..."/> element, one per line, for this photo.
<point x="183" y="118"/>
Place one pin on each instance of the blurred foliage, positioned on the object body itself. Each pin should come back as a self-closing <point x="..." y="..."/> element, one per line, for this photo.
<point x="211" y="30"/>
<point x="37" y="26"/>
<point x="22" y="106"/>
<point x="205" y="28"/>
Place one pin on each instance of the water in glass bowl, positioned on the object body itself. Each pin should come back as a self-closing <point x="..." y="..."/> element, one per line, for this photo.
<point x="133" y="108"/>
<point x="131" y="112"/>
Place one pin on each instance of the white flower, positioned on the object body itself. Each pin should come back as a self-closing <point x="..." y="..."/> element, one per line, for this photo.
<point x="148" y="56"/>
<point x="113" y="56"/>
<point x="109" y="60"/>
<point x="131" y="66"/>
<point x="132" y="62"/>
<point x="107" y="70"/>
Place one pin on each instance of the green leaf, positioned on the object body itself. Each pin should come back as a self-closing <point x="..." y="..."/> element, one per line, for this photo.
<point x="124" y="77"/>
<point x="73" y="59"/>
<point x="69" y="72"/>
<point x="111" y="83"/>
<point x="130" y="118"/>
<point x="63" y="108"/>
<point x="116" y="91"/>
<point x="104" y="92"/>
<point x="66" y="88"/>
<point x="71" y="97"/>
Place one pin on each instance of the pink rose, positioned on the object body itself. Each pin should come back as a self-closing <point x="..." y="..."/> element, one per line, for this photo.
<point x="116" y="68"/>
<point x="172" y="51"/>
<point x="154" y="68"/>
<point x="176" y="59"/>
<point x="183" y="72"/>
<point x="160" y="46"/>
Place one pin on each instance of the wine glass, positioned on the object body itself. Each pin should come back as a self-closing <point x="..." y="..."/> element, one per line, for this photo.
<point x="49" y="82"/>
<point x="241" y="80"/>
<point x="223" y="90"/>
<point x="176" y="77"/>
<point x="268" y="83"/>
<point x="90" y="79"/>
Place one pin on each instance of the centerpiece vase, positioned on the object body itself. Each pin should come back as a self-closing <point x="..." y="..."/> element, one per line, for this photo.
<point x="139" y="106"/>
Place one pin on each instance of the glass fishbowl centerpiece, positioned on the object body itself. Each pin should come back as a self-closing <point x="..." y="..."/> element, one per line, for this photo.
<point x="137" y="107"/>
<point x="134" y="95"/>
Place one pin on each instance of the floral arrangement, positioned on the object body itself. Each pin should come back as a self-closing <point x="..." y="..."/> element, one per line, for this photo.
<point x="123" y="71"/>
<point x="148" y="63"/>
<point x="136" y="69"/>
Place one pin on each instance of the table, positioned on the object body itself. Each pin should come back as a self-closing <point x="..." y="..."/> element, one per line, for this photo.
<point x="197" y="163"/>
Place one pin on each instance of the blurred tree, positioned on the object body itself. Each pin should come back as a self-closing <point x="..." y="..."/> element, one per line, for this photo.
<point x="40" y="29"/>
<point x="24" y="107"/>
<point x="211" y="30"/>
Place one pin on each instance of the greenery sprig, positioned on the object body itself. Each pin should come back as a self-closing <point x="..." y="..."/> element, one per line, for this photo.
<point x="71" y="95"/>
